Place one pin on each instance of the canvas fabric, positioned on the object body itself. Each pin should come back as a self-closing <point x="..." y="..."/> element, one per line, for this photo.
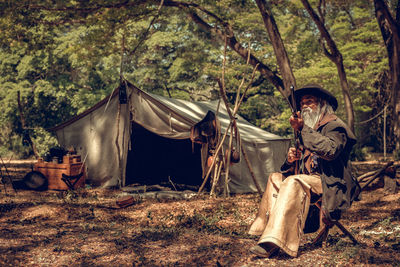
<point x="102" y="136"/>
<point x="94" y="137"/>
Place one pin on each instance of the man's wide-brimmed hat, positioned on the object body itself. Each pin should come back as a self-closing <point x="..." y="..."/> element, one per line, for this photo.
<point x="316" y="90"/>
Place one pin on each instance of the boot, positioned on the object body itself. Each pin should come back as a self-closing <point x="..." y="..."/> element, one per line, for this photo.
<point x="266" y="250"/>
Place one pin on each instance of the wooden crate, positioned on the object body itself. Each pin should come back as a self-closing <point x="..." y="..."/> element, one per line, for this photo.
<point x="53" y="171"/>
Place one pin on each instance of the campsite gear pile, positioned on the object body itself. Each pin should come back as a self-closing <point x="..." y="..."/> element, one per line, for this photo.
<point x="67" y="175"/>
<point x="55" y="154"/>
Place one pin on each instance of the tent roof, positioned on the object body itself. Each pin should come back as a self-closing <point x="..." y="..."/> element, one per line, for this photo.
<point x="193" y="111"/>
<point x="86" y="112"/>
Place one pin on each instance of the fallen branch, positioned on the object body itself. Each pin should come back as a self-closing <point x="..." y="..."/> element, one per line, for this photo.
<point x="362" y="178"/>
<point x="377" y="174"/>
<point x="365" y="176"/>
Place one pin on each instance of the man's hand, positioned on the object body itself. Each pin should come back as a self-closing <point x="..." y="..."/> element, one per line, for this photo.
<point x="293" y="155"/>
<point x="297" y="122"/>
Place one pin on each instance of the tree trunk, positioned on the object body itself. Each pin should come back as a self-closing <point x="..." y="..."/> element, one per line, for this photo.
<point x="26" y="134"/>
<point x="390" y="29"/>
<point x="277" y="43"/>
<point x="336" y="57"/>
<point x="346" y="93"/>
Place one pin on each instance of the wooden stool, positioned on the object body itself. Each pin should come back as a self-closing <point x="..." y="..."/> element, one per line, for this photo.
<point x="323" y="234"/>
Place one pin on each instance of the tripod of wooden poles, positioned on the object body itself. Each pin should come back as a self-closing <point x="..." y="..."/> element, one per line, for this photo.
<point x="220" y="161"/>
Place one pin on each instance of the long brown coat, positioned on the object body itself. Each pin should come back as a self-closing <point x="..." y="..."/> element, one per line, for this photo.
<point x="331" y="142"/>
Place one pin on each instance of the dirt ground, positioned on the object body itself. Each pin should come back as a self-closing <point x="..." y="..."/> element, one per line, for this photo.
<point x="83" y="228"/>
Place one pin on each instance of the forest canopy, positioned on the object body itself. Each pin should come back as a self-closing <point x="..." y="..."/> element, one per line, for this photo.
<point x="58" y="58"/>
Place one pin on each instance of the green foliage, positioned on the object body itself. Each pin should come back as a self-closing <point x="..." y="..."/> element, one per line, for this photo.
<point x="44" y="141"/>
<point x="63" y="62"/>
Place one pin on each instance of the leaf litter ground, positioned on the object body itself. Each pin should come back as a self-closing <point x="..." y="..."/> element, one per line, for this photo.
<point x="83" y="228"/>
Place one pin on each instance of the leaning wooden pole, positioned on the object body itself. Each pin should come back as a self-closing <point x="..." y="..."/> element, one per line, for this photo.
<point x="8" y="175"/>
<point x="233" y="120"/>
<point x="228" y="162"/>
<point x="121" y="180"/>
<point x="238" y="102"/>
<point x="219" y="147"/>
<point x="231" y="115"/>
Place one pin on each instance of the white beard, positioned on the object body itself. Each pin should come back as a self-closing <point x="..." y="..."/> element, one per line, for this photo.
<point x="311" y="117"/>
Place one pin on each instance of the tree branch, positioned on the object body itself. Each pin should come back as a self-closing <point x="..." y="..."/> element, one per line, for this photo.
<point x="322" y="10"/>
<point x="336" y="57"/>
<point x="278" y="46"/>
<point x="226" y="31"/>
<point x="80" y="9"/>
<point x="398" y="11"/>
<point x="334" y="52"/>
<point x="326" y="51"/>
<point x="146" y="33"/>
<point x="392" y="22"/>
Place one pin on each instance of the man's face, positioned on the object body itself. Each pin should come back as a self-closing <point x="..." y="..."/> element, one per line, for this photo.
<point x="310" y="110"/>
<point x="309" y="101"/>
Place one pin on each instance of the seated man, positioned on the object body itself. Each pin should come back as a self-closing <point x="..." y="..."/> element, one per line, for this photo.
<point x="323" y="168"/>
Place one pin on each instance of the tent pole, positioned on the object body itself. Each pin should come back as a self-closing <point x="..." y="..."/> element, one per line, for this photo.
<point x="221" y="165"/>
<point x="228" y="162"/>
<point x="217" y="173"/>
<point x="117" y="145"/>
<point x="214" y="177"/>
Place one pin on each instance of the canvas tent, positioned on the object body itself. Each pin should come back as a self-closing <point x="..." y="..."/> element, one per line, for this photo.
<point x="147" y="141"/>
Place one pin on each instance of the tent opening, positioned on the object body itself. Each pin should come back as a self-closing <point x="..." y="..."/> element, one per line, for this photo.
<point x="154" y="159"/>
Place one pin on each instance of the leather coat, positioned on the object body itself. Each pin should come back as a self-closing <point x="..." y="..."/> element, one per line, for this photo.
<point x="326" y="152"/>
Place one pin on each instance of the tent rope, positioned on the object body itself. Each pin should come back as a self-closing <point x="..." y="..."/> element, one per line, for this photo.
<point x="374" y="117"/>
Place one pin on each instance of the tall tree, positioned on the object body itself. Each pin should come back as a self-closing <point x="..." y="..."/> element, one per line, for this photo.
<point x="390" y="28"/>
<point x="277" y="43"/>
<point x="332" y="52"/>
